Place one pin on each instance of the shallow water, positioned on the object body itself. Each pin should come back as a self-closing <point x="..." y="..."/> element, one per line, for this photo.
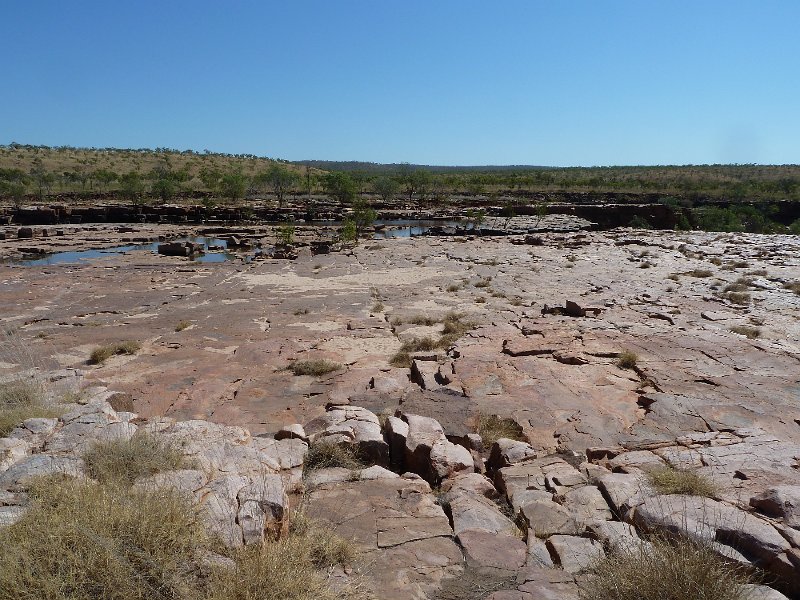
<point x="58" y="258"/>
<point x="387" y="229"/>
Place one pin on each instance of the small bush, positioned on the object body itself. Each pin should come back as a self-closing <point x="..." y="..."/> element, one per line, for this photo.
<point x="699" y="273"/>
<point x="742" y="298"/>
<point x="103" y="353"/>
<point x="452" y="288"/>
<point x="324" y="455"/>
<point x="669" y="480"/>
<point x="292" y="568"/>
<point x="749" y="332"/>
<point x="378" y="307"/>
<point x="21" y="400"/>
<point x="491" y="428"/>
<point x="81" y="541"/>
<point x="423" y="320"/>
<point x="483" y="283"/>
<point x="665" y="570"/>
<point x="792" y="286"/>
<point x="183" y="325"/>
<point x="314" y="367"/>
<point x="627" y="360"/>
<point x="401" y="360"/>
<point x="123" y="461"/>
<point x="480" y="300"/>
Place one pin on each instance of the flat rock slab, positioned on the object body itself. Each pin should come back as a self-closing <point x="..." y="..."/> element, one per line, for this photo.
<point x="399" y="526"/>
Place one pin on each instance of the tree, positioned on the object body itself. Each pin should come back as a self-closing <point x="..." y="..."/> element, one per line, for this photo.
<point x="166" y="181"/>
<point x="385" y="187"/>
<point x="42" y="179"/>
<point x="281" y="180"/>
<point x="131" y="186"/>
<point x="340" y="186"/>
<point x="363" y="216"/>
<point x="232" y="185"/>
<point x="104" y="177"/>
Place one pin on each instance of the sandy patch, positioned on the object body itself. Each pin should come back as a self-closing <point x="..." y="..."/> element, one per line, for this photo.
<point x="350" y="350"/>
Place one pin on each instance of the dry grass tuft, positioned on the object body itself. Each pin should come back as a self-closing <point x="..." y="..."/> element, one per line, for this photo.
<point x="666" y="570"/>
<point x="669" y="480"/>
<point x="103" y="353"/>
<point x="123" y="461"/>
<point x="749" y="332"/>
<point x="742" y="298"/>
<point x="627" y="360"/>
<point x="314" y="367"/>
<point x="292" y="568"/>
<point x="183" y="325"/>
<point x="22" y="399"/>
<point x="84" y="541"/>
<point x="491" y="428"/>
<point x="81" y="541"/>
<point x="792" y="286"/>
<point x="325" y="455"/>
<point x="699" y="273"/>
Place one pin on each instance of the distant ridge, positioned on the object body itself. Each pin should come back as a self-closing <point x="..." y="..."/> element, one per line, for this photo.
<point x="371" y="167"/>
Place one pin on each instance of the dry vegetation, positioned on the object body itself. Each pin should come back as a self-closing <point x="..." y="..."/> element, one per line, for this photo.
<point x="314" y="367"/>
<point x="84" y="541"/>
<point x="324" y="455"/>
<point x="627" y="360"/>
<point x="102" y="353"/>
<point x="749" y="332"/>
<point x="665" y="570"/>
<point x="491" y="428"/>
<point x="453" y="328"/>
<point x="669" y="480"/>
<point x="123" y="461"/>
<point x="22" y="399"/>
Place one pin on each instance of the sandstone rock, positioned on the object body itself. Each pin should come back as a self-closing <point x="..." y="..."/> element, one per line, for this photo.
<point x="396" y="434"/>
<point x="352" y="425"/>
<point x="448" y="459"/>
<point x="615" y="536"/>
<point x="586" y="504"/>
<point x="574" y="553"/>
<point x="537" y="553"/>
<point x="709" y="520"/>
<point x="507" y="452"/>
<point x="11" y="514"/>
<point x="293" y="431"/>
<point x="22" y="471"/>
<point x="546" y="518"/>
<point x="185" y="481"/>
<point x="780" y="501"/>
<point x="219" y="506"/>
<point x="12" y="450"/>
<point x="423" y="434"/>
<point x="476" y="512"/>
<point x="483" y="549"/>
<point x="472" y="483"/>
<point x="623" y="491"/>
<point x="761" y="592"/>
<point x="263" y="508"/>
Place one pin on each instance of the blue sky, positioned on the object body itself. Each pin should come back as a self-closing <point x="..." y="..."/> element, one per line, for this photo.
<point x="561" y="82"/>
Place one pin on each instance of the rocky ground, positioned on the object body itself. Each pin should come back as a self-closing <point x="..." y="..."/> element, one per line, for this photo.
<point x="714" y="386"/>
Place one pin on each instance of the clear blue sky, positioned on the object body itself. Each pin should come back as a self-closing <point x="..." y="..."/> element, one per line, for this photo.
<point x="556" y="82"/>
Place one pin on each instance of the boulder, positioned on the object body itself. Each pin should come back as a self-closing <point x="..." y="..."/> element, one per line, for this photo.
<point x="547" y="518"/>
<point x="780" y="501"/>
<point x="500" y="553"/>
<point x="573" y="553"/>
<point x="507" y="452"/>
<point x="447" y="459"/>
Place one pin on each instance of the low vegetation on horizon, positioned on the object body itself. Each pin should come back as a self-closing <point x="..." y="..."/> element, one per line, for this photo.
<point x="30" y="173"/>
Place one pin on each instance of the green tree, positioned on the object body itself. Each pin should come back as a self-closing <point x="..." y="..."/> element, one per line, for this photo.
<point x="385" y="187"/>
<point x="104" y="178"/>
<point x="363" y="216"/>
<point x="42" y="179"/>
<point x="340" y="186"/>
<point x="280" y="180"/>
<point x="131" y="186"/>
<point x="232" y="185"/>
